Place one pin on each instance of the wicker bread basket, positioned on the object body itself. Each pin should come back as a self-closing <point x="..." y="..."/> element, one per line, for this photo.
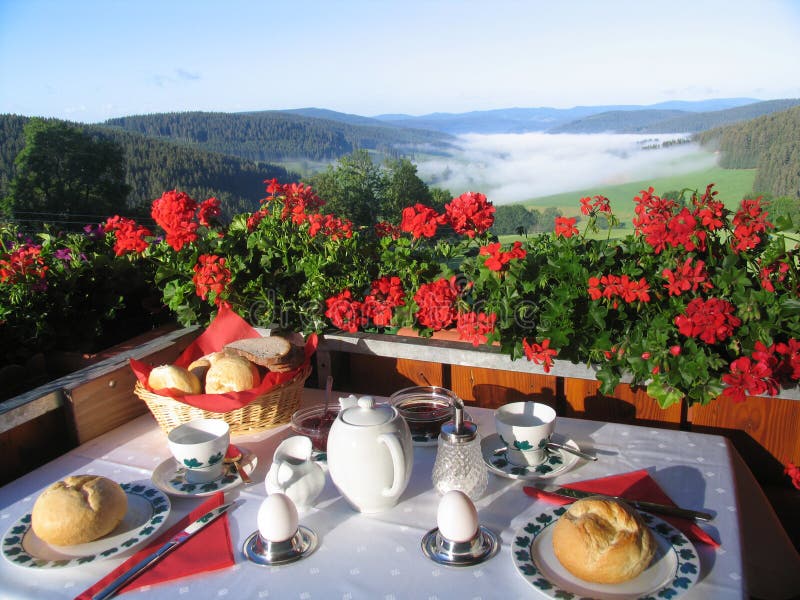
<point x="268" y="410"/>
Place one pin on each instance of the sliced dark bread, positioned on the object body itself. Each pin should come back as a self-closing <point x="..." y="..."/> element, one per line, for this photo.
<point x="264" y="351"/>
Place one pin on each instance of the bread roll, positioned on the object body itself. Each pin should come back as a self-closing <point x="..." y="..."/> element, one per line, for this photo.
<point x="603" y="540"/>
<point x="78" y="509"/>
<point x="174" y="377"/>
<point x="230" y="373"/>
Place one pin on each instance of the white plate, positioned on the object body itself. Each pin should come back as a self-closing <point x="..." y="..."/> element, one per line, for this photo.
<point x="148" y="509"/>
<point x="557" y="463"/>
<point x="169" y="477"/>
<point x="675" y="567"/>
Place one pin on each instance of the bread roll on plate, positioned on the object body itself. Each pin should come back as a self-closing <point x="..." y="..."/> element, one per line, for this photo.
<point x="603" y="540"/>
<point x="78" y="509"/>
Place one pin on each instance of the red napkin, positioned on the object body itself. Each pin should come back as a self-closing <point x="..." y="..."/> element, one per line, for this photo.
<point x="226" y="327"/>
<point x="636" y="485"/>
<point x="208" y="550"/>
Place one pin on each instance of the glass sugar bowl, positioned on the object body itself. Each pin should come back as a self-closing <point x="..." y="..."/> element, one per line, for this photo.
<point x="459" y="463"/>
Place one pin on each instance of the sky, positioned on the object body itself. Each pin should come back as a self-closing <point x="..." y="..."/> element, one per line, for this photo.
<point x="90" y="60"/>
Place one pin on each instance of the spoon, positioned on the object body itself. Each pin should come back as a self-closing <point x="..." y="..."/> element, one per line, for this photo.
<point x="234" y="456"/>
<point x="554" y="446"/>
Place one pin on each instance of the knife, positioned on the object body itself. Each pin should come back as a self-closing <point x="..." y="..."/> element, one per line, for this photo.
<point x="176" y="540"/>
<point x="654" y="507"/>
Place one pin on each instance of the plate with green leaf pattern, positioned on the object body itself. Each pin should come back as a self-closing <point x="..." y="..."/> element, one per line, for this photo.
<point x="148" y="509"/>
<point x="556" y="462"/>
<point x="674" y="569"/>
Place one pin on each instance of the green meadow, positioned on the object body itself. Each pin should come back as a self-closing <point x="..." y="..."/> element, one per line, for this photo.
<point x="732" y="185"/>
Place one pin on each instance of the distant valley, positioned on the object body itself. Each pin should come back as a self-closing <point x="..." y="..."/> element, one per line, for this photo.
<point x="230" y="154"/>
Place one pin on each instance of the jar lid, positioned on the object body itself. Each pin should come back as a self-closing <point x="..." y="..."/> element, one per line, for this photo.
<point x="454" y="434"/>
<point x="366" y="413"/>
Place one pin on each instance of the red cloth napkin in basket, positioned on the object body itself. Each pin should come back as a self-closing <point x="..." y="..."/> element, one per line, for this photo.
<point x="209" y="549"/>
<point x="226" y="327"/>
<point x="636" y="485"/>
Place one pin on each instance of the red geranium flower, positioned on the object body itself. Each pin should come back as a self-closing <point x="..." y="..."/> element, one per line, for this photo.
<point x="686" y="278"/>
<point x="598" y="204"/>
<point x="619" y="286"/>
<point x="711" y="320"/>
<point x="474" y="327"/>
<point x="565" y="227"/>
<point x="129" y="237"/>
<point x="470" y="214"/>
<point x="386" y="229"/>
<point x="334" y="227"/>
<point x="386" y="293"/>
<point x="794" y="474"/>
<point x="23" y="262"/>
<point x="299" y="199"/>
<point x="211" y="275"/>
<point x="344" y="312"/>
<point x="748" y="222"/>
<point x="540" y="354"/>
<point x="420" y="220"/>
<point x="498" y="260"/>
<point x="437" y="303"/>
<point x="209" y="209"/>
<point x="174" y="213"/>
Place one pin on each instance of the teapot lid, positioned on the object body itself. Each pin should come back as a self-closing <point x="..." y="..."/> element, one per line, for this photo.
<point x="365" y="413"/>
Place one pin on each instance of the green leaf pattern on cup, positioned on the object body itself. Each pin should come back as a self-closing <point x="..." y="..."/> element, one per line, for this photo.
<point x="194" y="463"/>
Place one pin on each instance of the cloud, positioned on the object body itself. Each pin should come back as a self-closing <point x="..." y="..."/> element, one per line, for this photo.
<point x="516" y="167"/>
<point x="187" y="75"/>
<point x="179" y="75"/>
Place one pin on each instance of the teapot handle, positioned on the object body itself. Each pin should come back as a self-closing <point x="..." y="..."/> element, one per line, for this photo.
<point x="392" y="442"/>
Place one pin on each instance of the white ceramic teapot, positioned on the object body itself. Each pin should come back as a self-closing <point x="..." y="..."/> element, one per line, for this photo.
<point x="294" y="473"/>
<point x="370" y="454"/>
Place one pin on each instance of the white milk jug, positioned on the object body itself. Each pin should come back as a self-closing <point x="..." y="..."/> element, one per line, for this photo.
<point x="294" y="473"/>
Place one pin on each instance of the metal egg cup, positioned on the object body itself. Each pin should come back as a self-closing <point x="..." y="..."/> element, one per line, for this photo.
<point x="479" y="549"/>
<point x="263" y="552"/>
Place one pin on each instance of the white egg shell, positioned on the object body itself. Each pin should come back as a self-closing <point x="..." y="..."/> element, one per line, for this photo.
<point x="457" y="517"/>
<point x="277" y="518"/>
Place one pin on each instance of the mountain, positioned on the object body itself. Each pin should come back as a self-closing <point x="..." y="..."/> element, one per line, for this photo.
<point x="154" y="166"/>
<point x="521" y="120"/>
<point x="278" y="136"/>
<point x="770" y="143"/>
<point x="672" y="121"/>
<point x="618" y="120"/>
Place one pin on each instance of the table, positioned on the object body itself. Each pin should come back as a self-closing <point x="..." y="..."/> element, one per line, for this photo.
<point x="379" y="556"/>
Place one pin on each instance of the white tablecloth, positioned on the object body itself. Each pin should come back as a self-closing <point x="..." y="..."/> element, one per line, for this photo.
<point x="379" y="556"/>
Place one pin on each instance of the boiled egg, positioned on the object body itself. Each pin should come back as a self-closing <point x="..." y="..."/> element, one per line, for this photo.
<point x="277" y="518"/>
<point x="457" y="517"/>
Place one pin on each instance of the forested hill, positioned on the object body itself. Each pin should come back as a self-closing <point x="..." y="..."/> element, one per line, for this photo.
<point x="672" y="121"/>
<point x="275" y="136"/>
<point x="154" y="166"/>
<point x="770" y="144"/>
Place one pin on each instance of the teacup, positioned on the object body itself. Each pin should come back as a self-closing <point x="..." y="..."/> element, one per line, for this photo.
<point x="525" y="429"/>
<point x="200" y="447"/>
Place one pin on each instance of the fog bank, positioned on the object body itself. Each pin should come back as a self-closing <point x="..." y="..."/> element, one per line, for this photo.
<point x="515" y="167"/>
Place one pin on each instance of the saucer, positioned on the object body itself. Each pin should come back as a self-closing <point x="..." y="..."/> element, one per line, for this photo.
<point x="556" y="463"/>
<point x="170" y="477"/>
